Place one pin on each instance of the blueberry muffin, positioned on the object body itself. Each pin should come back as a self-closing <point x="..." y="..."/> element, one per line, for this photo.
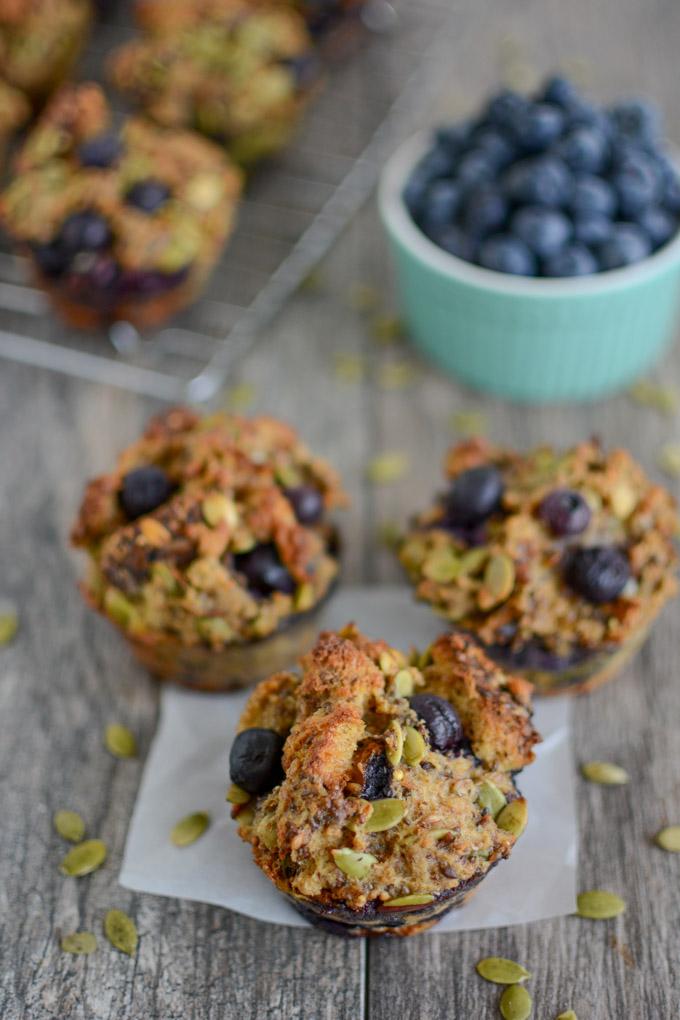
<point x="556" y="563"/>
<point x="14" y="112"/>
<point x="120" y="223"/>
<point x="210" y="546"/>
<point x="40" y="41"/>
<point x="376" y="794"/>
<point x="239" y="72"/>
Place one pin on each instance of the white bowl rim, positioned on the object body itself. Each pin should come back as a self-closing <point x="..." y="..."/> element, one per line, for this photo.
<point x="399" y="222"/>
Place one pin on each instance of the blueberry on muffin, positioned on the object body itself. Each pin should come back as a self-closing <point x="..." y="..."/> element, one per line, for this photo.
<point x="239" y="72"/>
<point x="120" y="223"/>
<point x="210" y="545"/>
<point x="377" y="792"/>
<point x="557" y="563"/>
<point x="40" y="41"/>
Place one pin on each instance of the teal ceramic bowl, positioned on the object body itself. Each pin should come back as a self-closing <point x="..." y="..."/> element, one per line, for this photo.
<point x="529" y="340"/>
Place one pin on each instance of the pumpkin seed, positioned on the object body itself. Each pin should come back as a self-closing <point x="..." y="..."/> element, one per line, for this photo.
<point x="362" y="297"/>
<point x="437" y="834"/>
<point x="404" y="683"/>
<point x="660" y="398"/>
<point x="118" y="607"/>
<point x="469" y="423"/>
<point x="669" y="459"/>
<point x="121" y="931"/>
<point x="79" y="942"/>
<point x="9" y="621"/>
<point x="388" y="467"/>
<point x="190" y="828"/>
<point x="515" y="1003"/>
<point x="599" y="905"/>
<point x="246" y="815"/>
<point x="669" y="839"/>
<point x="216" y="508"/>
<point x="623" y="500"/>
<point x="490" y="797"/>
<point x="69" y="825"/>
<point x="389" y="534"/>
<point x="304" y="597"/>
<point x="204" y="191"/>
<point x="349" y="368"/>
<point x="120" y="741"/>
<point x="353" y="863"/>
<point x="84" y="858"/>
<point x="386" y="813"/>
<point x="414" y="746"/>
<point x="498" y="582"/>
<point x="441" y="566"/>
<point x="387" y="328"/>
<point x="472" y="561"/>
<point x="154" y="532"/>
<point x="235" y="795"/>
<point x="394" y="739"/>
<point x="605" y="773"/>
<point x="387" y="663"/>
<point x="569" y="1015"/>
<point x="513" y="817"/>
<point x="501" y="971"/>
<point x="413" y="900"/>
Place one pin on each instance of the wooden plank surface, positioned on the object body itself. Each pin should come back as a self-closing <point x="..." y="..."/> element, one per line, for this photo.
<point x="67" y="675"/>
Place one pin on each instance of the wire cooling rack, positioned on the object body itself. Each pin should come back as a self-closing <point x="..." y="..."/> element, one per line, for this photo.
<point x="294" y="209"/>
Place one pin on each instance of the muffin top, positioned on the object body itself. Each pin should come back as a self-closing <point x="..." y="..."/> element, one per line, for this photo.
<point x="354" y="796"/>
<point x="89" y="196"/>
<point x="37" y="37"/>
<point x="211" y="530"/>
<point x="567" y="551"/>
<point x="226" y="67"/>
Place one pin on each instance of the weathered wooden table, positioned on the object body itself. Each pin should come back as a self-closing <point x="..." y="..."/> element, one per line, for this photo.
<point x="66" y="675"/>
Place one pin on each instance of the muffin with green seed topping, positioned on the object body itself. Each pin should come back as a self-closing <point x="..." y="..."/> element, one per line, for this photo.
<point x="119" y="223"/>
<point x="240" y="72"/>
<point x="210" y="546"/>
<point x="557" y="563"/>
<point x="378" y="791"/>
<point x="40" y="40"/>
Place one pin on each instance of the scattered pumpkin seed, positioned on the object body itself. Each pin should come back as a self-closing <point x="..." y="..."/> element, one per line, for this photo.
<point x="82" y="943"/>
<point x="501" y="971"/>
<point x="389" y="534"/>
<point x="190" y="828"/>
<point x="412" y="900"/>
<point x="414" y="746"/>
<point x="246" y="815"/>
<point x="669" y="459"/>
<point x="515" y="1003"/>
<point x="472" y="561"/>
<point x="9" y="621"/>
<point x="441" y="566"/>
<point x="569" y="1015"/>
<point x="121" y="931"/>
<point x="217" y="508"/>
<point x="513" y="817"/>
<point x="387" y="328"/>
<point x="490" y="797"/>
<point x="669" y="839"/>
<point x="404" y="684"/>
<point x="661" y="398"/>
<point x="235" y="795"/>
<point x="498" y="582"/>
<point x="362" y="297"/>
<point x="353" y="863"/>
<point x="305" y="596"/>
<point x="386" y="813"/>
<point x="394" y="740"/>
<point x="396" y="375"/>
<point x="120" y="741"/>
<point x="605" y="773"/>
<point x="240" y="397"/>
<point x="118" y="607"/>
<point x="84" y="858"/>
<point x="69" y="825"/>
<point x="349" y="368"/>
<point x="469" y="423"/>
<point x="388" y="467"/>
<point x="599" y="905"/>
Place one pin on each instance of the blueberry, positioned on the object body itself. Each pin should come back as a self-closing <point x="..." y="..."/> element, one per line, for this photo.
<point x="561" y="91"/>
<point x="583" y="148"/>
<point x="377" y="778"/>
<point x="143" y="489"/>
<point x="148" y="195"/>
<point x="539" y="180"/>
<point x="264" y="571"/>
<point x="585" y="114"/>
<point x="474" y="495"/>
<point x="565" y="511"/>
<point x="484" y="210"/>
<point x="440" y="205"/>
<point x="593" y="229"/>
<point x="592" y="195"/>
<point x="670" y="188"/>
<point x="506" y="254"/>
<point x="475" y="167"/>
<point x="543" y="230"/>
<point x="150" y="282"/>
<point x="659" y="224"/>
<point x="504" y="107"/>
<point x="52" y="258"/>
<point x="599" y="573"/>
<point x="255" y="760"/>
<point x="637" y="183"/>
<point x="572" y="260"/>
<point x="98" y="272"/>
<point x="84" y="231"/>
<point x="496" y="145"/>
<point x="307" y="503"/>
<point x="414" y="193"/>
<point x="626" y="244"/>
<point x="637" y="120"/>
<point x="453" y="137"/>
<point x="536" y="127"/>
<point x="101" y="151"/>
<point x="441" y="721"/>
<point x="455" y="241"/>
<point x="435" y="164"/>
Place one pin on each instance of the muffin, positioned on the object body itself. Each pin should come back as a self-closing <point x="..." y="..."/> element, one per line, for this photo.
<point x="376" y="795"/>
<point x="14" y="112"/>
<point x="118" y="223"/>
<point x="239" y="72"/>
<point x="209" y="546"/>
<point x="556" y="563"/>
<point x="327" y="16"/>
<point x="40" y="40"/>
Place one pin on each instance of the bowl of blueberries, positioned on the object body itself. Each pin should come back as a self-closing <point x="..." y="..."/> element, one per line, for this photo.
<point x="537" y="244"/>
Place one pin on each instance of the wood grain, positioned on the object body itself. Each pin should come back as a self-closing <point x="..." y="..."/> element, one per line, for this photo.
<point x="67" y="674"/>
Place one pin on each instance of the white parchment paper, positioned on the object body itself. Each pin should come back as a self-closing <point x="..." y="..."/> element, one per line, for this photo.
<point x="187" y="771"/>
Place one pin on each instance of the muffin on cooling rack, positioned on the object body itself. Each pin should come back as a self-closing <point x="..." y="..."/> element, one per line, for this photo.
<point x="210" y="546"/>
<point x="14" y="112"/>
<point x="40" y="41"/>
<point x="377" y="794"/>
<point x="557" y="563"/>
<point x="240" y="72"/>
<point x="119" y="224"/>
